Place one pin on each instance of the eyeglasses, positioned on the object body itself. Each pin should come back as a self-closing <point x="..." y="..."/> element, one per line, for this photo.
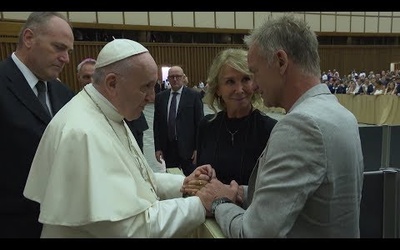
<point x="178" y="77"/>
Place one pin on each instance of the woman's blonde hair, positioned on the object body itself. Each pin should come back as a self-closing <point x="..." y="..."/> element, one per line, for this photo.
<point x="237" y="59"/>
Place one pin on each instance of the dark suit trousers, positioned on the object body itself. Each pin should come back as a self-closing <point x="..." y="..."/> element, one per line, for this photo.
<point x="172" y="159"/>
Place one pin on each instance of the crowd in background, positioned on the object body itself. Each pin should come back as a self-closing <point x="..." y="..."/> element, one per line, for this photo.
<point x="360" y="83"/>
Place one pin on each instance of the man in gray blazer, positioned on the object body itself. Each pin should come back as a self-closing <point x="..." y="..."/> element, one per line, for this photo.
<point x="43" y="49"/>
<point x="177" y="150"/>
<point x="299" y="187"/>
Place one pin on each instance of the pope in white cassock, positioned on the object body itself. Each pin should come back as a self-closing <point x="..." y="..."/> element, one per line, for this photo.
<point x="89" y="175"/>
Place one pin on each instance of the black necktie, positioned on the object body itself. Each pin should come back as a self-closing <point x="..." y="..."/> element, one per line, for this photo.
<point x="171" y="117"/>
<point x="41" y="88"/>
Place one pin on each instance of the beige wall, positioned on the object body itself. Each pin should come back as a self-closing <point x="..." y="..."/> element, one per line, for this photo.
<point x="342" y="22"/>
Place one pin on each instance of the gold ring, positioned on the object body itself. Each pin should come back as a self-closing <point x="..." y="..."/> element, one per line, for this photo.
<point x="200" y="183"/>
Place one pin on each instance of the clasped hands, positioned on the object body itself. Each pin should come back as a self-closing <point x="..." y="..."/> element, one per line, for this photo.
<point x="197" y="179"/>
<point x="203" y="183"/>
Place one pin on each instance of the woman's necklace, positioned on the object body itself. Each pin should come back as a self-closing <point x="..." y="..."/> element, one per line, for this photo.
<point x="237" y="130"/>
<point x="232" y="134"/>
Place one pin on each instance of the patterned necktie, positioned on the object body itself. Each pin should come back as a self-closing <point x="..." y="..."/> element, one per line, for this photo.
<point x="172" y="117"/>
<point x="41" y="88"/>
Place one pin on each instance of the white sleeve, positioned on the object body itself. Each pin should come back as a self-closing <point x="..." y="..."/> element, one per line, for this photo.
<point x="164" y="219"/>
<point x="168" y="185"/>
<point x="176" y="217"/>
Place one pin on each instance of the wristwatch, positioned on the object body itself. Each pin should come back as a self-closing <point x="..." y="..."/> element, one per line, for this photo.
<point x="219" y="201"/>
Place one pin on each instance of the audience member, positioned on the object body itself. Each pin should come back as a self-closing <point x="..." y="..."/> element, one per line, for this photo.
<point x="397" y="80"/>
<point x="160" y="86"/>
<point x="85" y="71"/>
<point x="341" y="88"/>
<point x="371" y="86"/>
<point x="390" y="88"/>
<point x="175" y="139"/>
<point x="379" y="88"/>
<point x="44" y="45"/>
<point x="308" y="180"/>
<point x="232" y="138"/>
<point x="89" y="175"/>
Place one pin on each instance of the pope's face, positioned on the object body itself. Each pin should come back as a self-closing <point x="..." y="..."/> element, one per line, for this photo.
<point x="137" y="88"/>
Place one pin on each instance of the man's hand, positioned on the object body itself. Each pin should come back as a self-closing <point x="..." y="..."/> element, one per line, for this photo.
<point x="216" y="189"/>
<point x="197" y="179"/>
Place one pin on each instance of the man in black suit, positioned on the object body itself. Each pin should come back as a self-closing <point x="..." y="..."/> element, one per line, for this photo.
<point x="43" y="49"/>
<point x="175" y="142"/>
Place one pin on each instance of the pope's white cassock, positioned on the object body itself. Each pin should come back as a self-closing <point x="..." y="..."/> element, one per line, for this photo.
<point x="92" y="180"/>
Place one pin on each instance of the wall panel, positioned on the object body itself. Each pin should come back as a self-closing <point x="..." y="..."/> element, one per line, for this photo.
<point x="370" y="13"/>
<point x="319" y="21"/>
<point x="161" y="18"/>
<point x="137" y="18"/>
<point x="83" y="17"/>
<point x="385" y="13"/>
<point x="244" y="20"/>
<point x="357" y="24"/>
<point x="371" y="24"/>
<point x="196" y="58"/>
<point x="346" y="58"/>
<point x="385" y="25"/>
<point x="110" y="17"/>
<point x="259" y="17"/>
<point x="16" y="15"/>
<point x="342" y="23"/>
<point x="204" y="19"/>
<point x="314" y="20"/>
<point x="183" y="19"/>
<point x="225" y="20"/>
<point x="328" y="23"/>
<point x="396" y="25"/>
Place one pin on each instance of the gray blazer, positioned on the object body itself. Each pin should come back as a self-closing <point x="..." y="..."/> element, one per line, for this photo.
<point x="308" y="180"/>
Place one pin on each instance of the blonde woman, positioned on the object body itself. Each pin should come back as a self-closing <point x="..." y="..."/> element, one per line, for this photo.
<point x="234" y="136"/>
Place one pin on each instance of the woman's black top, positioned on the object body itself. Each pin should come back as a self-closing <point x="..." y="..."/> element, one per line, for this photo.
<point x="233" y="145"/>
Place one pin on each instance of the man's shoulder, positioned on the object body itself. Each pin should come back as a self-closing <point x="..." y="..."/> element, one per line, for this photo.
<point x="162" y="93"/>
<point x="61" y="87"/>
<point x="191" y="90"/>
<point x="5" y="65"/>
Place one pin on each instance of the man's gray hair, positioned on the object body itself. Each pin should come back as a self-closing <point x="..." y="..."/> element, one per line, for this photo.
<point x="292" y="35"/>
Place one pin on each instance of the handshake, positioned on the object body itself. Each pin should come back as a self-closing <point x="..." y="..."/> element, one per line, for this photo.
<point x="203" y="183"/>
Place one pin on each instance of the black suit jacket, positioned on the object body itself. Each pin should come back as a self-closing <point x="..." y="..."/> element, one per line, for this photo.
<point x="190" y="112"/>
<point x="159" y="87"/>
<point x="23" y="121"/>
<point x="138" y="127"/>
